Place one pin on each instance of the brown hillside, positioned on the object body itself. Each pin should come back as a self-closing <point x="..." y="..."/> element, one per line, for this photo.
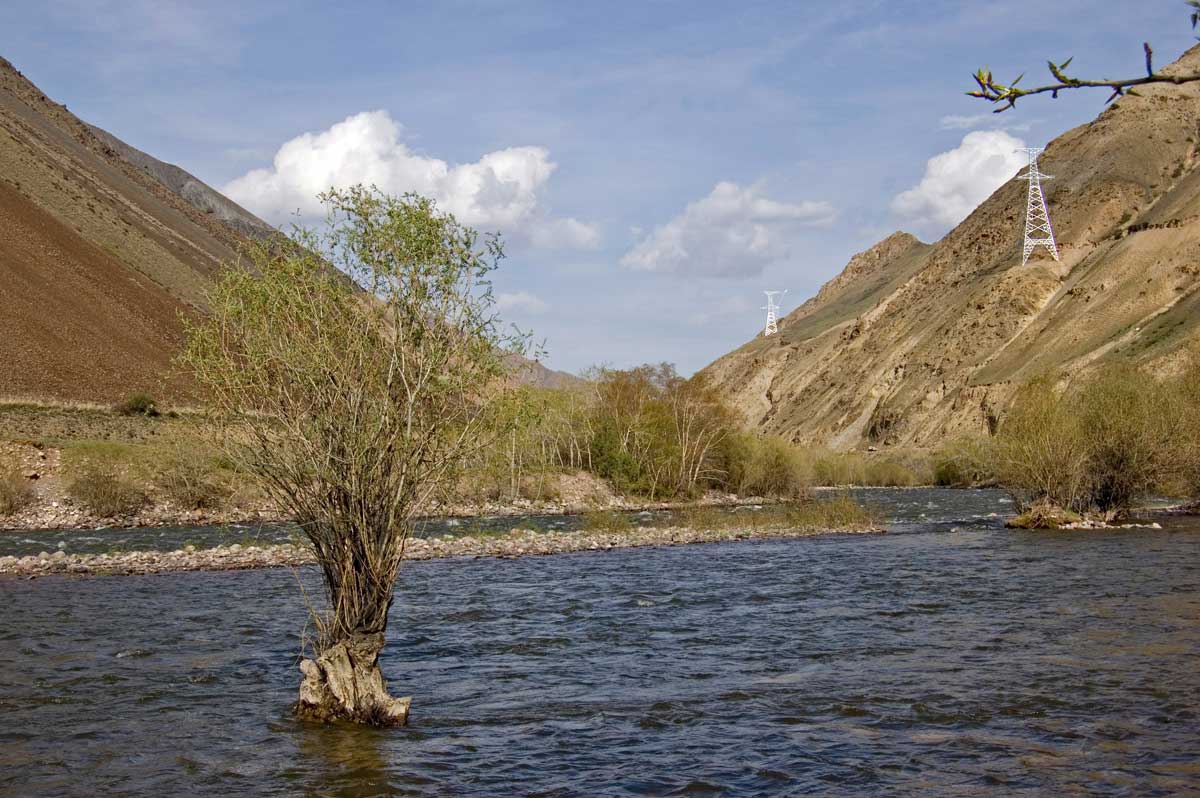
<point x="102" y="247"/>
<point x="98" y="254"/>
<point x="913" y="344"/>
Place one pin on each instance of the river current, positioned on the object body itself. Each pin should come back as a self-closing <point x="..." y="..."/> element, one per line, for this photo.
<point x="949" y="657"/>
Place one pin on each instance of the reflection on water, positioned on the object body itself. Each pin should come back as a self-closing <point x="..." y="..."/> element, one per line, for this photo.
<point x="953" y="658"/>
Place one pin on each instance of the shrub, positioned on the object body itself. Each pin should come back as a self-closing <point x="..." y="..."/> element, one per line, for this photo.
<point x="840" y="468"/>
<point x="1103" y="447"/>
<point x="1185" y="445"/>
<point x="709" y="518"/>
<point x="839" y="512"/>
<point x="1040" y="451"/>
<point x="138" y="404"/>
<point x="1044" y="515"/>
<point x="762" y="465"/>
<point x="889" y="474"/>
<point x="606" y="521"/>
<point x="106" y="492"/>
<point x="189" y="480"/>
<point x="540" y="487"/>
<point x="963" y="463"/>
<point x="1128" y="424"/>
<point x="15" y="492"/>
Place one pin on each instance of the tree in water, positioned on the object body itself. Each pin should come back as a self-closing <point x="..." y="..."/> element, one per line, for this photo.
<point x="354" y="394"/>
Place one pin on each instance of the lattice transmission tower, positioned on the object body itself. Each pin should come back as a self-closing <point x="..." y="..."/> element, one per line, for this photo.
<point x="1037" y="218"/>
<point x="772" y="313"/>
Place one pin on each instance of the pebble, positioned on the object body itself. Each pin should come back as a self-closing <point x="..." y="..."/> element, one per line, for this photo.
<point x="518" y="543"/>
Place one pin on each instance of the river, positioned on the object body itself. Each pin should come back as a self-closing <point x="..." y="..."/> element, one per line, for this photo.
<point x="949" y="657"/>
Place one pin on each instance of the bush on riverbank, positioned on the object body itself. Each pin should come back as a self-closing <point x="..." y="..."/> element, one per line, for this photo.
<point x="106" y="492"/>
<point x="15" y="491"/>
<point x="606" y="521"/>
<point x="833" y="513"/>
<point x="760" y="465"/>
<point x="963" y="463"/>
<point x="1103" y="446"/>
<point x="190" y="479"/>
<point x="855" y="468"/>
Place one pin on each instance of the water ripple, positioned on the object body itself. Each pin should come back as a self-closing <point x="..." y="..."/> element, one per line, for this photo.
<point x="927" y="663"/>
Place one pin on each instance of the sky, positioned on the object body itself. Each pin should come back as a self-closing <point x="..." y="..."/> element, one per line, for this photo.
<point x="653" y="166"/>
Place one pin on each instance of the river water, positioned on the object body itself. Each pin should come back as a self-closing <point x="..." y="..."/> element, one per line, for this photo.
<point x="950" y="657"/>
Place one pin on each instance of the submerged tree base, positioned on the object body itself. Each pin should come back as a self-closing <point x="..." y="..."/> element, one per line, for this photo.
<point x="345" y="684"/>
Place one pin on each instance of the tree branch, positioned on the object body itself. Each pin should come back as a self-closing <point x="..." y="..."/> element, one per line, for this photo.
<point x="1007" y="95"/>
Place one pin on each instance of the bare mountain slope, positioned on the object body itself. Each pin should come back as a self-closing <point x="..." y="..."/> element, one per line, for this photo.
<point x="101" y="248"/>
<point x="913" y="344"/>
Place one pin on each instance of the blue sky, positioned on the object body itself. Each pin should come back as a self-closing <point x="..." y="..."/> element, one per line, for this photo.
<point x="653" y="165"/>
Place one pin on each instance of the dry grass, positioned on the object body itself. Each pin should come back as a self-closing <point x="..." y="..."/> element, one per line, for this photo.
<point x="138" y="404"/>
<point x="838" y="512"/>
<point x="106" y="492"/>
<point x="963" y="463"/>
<point x="606" y="521"/>
<point x="190" y="479"/>
<point x="837" y="469"/>
<point x="15" y="491"/>
<point x="1044" y="515"/>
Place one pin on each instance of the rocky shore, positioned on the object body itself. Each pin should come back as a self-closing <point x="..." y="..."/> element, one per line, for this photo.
<point x="584" y="493"/>
<point x="517" y="543"/>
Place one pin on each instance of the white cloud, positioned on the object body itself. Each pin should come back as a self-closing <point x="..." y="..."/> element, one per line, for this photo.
<point x="566" y="233"/>
<point x="733" y="232"/>
<point x="955" y="182"/>
<point x="988" y="120"/>
<point x="501" y="191"/>
<point x="521" y="302"/>
<point x="956" y="122"/>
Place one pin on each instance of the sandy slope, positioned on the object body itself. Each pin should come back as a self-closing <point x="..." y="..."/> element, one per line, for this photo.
<point x="913" y="343"/>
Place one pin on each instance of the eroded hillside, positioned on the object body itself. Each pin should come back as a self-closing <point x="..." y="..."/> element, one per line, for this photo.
<point x="913" y="344"/>
<point x="101" y="248"/>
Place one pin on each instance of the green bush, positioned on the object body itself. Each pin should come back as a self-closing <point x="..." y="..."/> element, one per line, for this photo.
<point x="839" y="512"/>
<point x="1102" y="447"/>
<point x="105" y="492"/>
<point x="15" y="492"/>
<point x="833" y="513"/>
<point x="963" y="463"/>
<point x="1185" y="445"/>
<point x="890" y="474"/>
<point x="190" y="480"/>
<point x="1129" y="425"/>
<point x="763" y="465"/>
<point x="138" y="404"/>
<point x="1040" y="451"/>
<point x="606" y="521"/>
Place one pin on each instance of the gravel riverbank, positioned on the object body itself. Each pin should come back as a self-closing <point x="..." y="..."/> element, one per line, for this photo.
<point x="517" y="543"/>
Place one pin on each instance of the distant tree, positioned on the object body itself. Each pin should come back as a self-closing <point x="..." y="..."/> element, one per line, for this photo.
<point x="354" y="394"/>
<point x="1006" y="96"/>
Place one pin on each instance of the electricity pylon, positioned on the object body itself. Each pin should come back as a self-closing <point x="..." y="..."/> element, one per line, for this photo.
<point x="771" y="308"/>
<point x="1037" y="218"/>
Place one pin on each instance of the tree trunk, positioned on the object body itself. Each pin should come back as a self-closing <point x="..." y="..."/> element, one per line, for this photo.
<point x="345" y="683"/>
